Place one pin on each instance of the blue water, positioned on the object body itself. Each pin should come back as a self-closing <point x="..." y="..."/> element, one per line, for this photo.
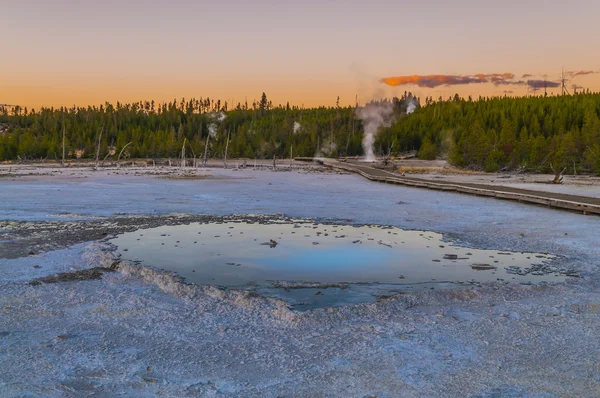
<point x="234" y="254"/>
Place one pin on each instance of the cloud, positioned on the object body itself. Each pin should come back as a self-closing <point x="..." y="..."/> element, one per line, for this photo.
<point x="431" y="81"/>
<point x="497" y="79"/>
<point x="537" y="84"/>
<point x="510" y="83"/>
<point x="581" y="73"/>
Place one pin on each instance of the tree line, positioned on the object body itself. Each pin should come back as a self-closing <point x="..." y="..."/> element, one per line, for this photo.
<point x="536" y="133"/>
<point x="491" y="134"/>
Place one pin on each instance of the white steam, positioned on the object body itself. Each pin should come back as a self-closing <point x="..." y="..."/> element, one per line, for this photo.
<point x="220" y="116"/>
<point x="324" y="150"/>
<point x="411" y="105"/>
<point x="374" y="115"/>
<point x="297" y="127"/>
<point x="213" y="129"/>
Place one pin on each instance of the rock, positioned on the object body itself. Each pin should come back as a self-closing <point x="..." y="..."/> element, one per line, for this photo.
<point x="482" y="267"/>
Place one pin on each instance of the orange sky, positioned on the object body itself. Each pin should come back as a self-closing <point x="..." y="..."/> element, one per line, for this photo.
<point x="308" y="52"/>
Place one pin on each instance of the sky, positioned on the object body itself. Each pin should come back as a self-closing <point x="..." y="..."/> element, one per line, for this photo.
<point x="309" y="52"/>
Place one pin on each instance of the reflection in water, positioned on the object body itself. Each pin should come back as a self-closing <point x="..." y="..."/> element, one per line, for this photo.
<point x="373" y="260"/>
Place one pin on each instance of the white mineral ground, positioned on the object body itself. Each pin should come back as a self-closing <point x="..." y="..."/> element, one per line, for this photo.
<point x="139" y="332"/>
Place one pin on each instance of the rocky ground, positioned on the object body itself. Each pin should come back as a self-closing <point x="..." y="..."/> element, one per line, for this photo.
<point x="75" y="321"/>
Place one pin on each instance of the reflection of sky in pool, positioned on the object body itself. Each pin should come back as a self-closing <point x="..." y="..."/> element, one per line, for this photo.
<point x="238" y="254"/>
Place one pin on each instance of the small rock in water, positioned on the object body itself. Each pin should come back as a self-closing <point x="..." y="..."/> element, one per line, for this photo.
<point x="482" y="267"/>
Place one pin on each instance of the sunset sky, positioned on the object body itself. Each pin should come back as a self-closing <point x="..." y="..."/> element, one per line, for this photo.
<point x="81" y="52"/>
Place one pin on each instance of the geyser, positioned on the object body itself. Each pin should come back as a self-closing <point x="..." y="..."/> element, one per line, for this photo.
<point x="374" y="115"/>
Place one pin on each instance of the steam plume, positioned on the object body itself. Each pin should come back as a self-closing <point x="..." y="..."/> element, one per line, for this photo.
<point x="213" y="129"/>
<point x="297" y="127"/>
<point x="325" y="149"/>
<point x="411" y="105"/>
<point x="219" y="117"/>
<point x="374" y="116"/>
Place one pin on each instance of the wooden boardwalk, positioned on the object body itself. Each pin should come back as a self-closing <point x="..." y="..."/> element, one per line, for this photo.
<point x="584" y="204"/>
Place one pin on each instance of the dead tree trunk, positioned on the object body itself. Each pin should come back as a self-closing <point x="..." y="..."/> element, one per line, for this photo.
<point x="121" y="152"/>
<point x="226" y="149"/>
<point x="183" y="153"/>
<point x="104" y="160"/>
<point x="63" y="145"/>
<point x="205" y="151"/>
<point x="98" y="148"/>
<point x="558" y="177"/>
<point x="193" y="154"/>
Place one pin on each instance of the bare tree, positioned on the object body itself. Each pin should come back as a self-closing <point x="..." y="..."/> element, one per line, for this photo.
<point x="205" y="150"/>
<point x="226" y="149"/>
<point x="121" y="152"/>
<point x="63" y="144"/>
<point x="193" y="153"/>
<point x="558" y="177"/>
<point x="98" y="148"/>
<point x="183" y="153"/>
